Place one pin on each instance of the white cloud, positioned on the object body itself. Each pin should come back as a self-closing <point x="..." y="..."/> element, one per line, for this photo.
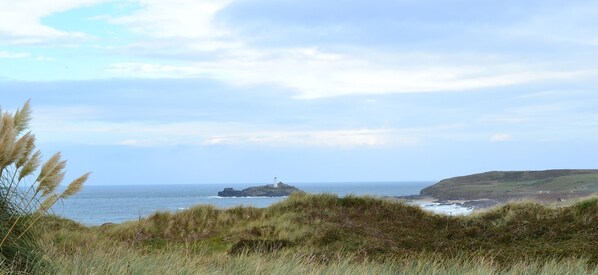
<point x="316" y="74"/>
<point x="23" y="55"/>
<point x="187" y="28"/>
<point x="504" y="118"/>
<point x="570" y="24"/>
<point x="53" y="128"/>
<point x="144" y="69"/>
<point x="326" y="138"/>
<point x="21" y="20"/>
<point x="176" y="18"/>
<point x="349" y="76"/>
<point x="500" y="137"/>
<point x="44" y="58"/>
<point x="4" y="54"/>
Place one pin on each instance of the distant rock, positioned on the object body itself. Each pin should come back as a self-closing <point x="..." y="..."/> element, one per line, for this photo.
<point x="280" y="190"/>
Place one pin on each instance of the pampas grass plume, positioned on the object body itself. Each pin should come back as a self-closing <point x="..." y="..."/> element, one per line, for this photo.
<point x="51" y="175"/>
<point x="22" y="117"/>
<point x="29" y="147"/>
<point x="7" y="141"/>
<point x="75" y="186"/>
<point x="30" y="165"/>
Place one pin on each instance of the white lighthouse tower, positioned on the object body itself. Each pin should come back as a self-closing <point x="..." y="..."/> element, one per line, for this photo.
<point x="275" y="182"/>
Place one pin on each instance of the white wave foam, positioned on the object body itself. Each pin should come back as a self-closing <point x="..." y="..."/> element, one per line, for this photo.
<point x="219" y="197"/>
<point x="448" y="209"/>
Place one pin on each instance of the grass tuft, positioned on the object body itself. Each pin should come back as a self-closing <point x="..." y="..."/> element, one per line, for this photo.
<point x="23" y="203"/>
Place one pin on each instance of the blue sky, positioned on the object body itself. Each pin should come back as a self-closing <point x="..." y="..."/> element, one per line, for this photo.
<point x="153" y="92"/>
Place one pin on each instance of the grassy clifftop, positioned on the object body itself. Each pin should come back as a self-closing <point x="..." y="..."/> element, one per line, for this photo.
<point x="505" y="185"/>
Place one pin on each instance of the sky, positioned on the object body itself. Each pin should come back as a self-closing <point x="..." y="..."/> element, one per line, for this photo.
<point x="241" y="91"/>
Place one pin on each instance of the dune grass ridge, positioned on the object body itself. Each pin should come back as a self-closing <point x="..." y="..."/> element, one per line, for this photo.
<point x="377" y="228"/>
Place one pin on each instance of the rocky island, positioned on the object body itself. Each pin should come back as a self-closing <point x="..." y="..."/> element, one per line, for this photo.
<point x="271" y="190"/>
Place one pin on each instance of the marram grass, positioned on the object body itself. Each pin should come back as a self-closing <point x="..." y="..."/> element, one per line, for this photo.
<point x="127" y="260"/>
<point x="374" y="229"/>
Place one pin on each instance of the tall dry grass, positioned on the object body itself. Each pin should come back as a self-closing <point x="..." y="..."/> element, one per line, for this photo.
<point x="24" y="196"/>
<point x="115" y="259"/>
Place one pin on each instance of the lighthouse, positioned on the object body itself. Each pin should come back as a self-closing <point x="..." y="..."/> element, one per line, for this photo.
<point x="275" y="182"/>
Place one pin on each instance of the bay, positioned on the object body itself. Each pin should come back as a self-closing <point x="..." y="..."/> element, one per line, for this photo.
<point x="99" y="204"/>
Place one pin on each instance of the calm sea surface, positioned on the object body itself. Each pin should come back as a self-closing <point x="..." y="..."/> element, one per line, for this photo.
<point x="95" y="205"/>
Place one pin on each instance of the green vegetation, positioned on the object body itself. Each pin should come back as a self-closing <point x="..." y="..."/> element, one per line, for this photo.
<point x="547" y="185"/>
<point x="125" y="260"/>
<point x="25" y="199"/>
<point x="324" y="233"/>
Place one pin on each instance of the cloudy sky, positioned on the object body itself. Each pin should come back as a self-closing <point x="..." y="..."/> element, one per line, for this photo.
<point x="240" y="91"/>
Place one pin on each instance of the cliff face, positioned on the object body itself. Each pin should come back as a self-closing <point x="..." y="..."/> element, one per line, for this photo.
<point x="282" y="190"/>
<point x="505" y="185"/>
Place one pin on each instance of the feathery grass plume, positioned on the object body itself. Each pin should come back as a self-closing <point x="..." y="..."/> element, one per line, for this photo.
<point x="19" y="149"/>
<point x="75" y="186"/>
<point x="52" y="181"/>
<point x="6" y="122"/>
<point x="51" y="175"/>
<point x="31" y="164"/>
<point x="28" y="150"/>
<point x="22" y="117"/>
<point x="48" y="166"/>
<point x="7" y="141"/>
<point x="20" y="208"/>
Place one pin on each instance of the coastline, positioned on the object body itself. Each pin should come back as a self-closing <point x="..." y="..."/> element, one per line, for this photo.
<point x="450" y="207"/>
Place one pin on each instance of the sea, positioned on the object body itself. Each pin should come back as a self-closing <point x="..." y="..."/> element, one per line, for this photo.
<point x="99" y="204"/>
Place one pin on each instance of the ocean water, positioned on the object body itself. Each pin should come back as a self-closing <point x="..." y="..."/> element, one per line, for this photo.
<point x="99" y="204"/>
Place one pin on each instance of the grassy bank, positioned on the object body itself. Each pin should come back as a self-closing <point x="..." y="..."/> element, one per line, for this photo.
<point x="315" y="234"/>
